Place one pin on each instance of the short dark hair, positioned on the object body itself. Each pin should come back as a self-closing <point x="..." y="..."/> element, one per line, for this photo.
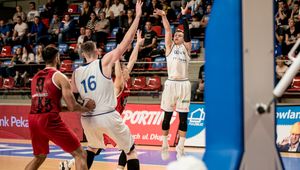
<point x="49" y="54"/>
<point x="32" y="3"/>
<point x="88" y="48"/>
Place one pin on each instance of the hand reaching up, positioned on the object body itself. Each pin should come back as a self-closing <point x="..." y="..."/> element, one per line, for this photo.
<point x="138" y="8"/>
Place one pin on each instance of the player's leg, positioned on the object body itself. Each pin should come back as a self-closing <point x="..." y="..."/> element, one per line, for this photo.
<point x="182" y="134"/>
<point x="36" y="162"/>
<point x="122" y="161"/>
<point x="167" y="104"/>
<point x="182" y="106"/>
<point x="61" y="135"/>
<point x="120" y="133"/>
<point x="39" y="141"/>
<point x="132" y="159"/>
<point x="94" y="136"/>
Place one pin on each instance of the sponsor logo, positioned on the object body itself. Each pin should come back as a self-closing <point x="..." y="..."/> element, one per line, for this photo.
<point x="196" y="119"/>
<point x="145" y="117"/>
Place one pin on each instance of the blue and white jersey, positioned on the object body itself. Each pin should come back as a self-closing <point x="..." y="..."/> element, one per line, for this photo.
<point x="178" y="63"/>
<point x="92" y="84"/>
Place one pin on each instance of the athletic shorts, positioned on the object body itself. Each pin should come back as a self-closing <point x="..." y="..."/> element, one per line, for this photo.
<point x="176" y="95"/>
<point x="110" y="124"/>
<point x="49" y="127"/>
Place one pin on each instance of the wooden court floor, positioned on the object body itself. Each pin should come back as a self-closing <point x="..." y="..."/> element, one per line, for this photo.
<point x="15" y="154"/>
<point x="16" y="162"/>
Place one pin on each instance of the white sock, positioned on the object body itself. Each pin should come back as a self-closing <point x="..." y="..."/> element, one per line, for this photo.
<point x="181" y="142"/>
<point x="165" y="141"/>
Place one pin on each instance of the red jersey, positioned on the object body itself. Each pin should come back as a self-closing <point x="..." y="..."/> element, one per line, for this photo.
<point x="122" y="99"/>
<point x="46" y="97"/>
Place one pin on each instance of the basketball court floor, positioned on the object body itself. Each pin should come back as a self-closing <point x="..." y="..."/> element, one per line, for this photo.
<point x="15" y="154"/>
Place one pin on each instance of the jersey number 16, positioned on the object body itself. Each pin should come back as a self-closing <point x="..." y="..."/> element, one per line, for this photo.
<point x="90" y="84"/>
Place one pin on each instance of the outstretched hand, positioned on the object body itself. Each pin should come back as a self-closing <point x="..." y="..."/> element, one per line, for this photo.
<point x="138" y="8"/>
<point x="139" y="40"/>
<point x="159" y="12"/>
<point x="184" y="10"/>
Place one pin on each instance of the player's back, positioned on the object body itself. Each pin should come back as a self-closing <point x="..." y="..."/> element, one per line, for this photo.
<point x="92" y="84"/>
<point x="46" y="95"/>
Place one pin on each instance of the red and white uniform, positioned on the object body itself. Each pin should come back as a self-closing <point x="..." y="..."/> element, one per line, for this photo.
<point x="45" y="123"/>
<point x="122" y="99"/>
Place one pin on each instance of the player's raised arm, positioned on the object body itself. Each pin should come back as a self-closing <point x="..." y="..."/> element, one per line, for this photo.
<point x="134" y="54"/>
<point x="186" y="31"/>
<point x="115" y="55"/>
<point x="168" y="31"/>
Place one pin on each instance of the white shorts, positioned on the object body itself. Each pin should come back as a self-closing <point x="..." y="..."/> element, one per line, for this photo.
<point x="176" y="94"/>
<point x="112" y="125"/>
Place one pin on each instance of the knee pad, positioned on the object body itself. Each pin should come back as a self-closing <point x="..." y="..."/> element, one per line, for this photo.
<point x="166" y="121"/>
<point x="183" y="121"/>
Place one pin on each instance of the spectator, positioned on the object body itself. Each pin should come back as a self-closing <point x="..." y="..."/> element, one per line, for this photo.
<point x="291" y="143"/>
<point x="66" y="29"/>
<point x="92" y="22"/>
<point x="32" y="12"/>
<point x="279" y="40"/>
<point x="28" y="55"/>
<point x="128" y="5"/>
<point x="168" y="10"/>
<point x="102" y="29"/>
<point x="150" y="41"/>
<point x="4" y="33"/>
<point x="19" y="12"/>
<point x="194" y="26"/>
<point x="175" y="5"/>
<point x="291" y="36"/>
<point x="195" y="7"/>
<point x="38" y="56"/>
<point x="155" y="4"/>
<point x="80" y="39"/>
<point x="205" y="18"/>
<point x="89" y="36"/>
<point x="281" y="68"/>
<point x="295" y="12"/>
<point x="48" y="9"/>
<point x="17" y="57"/>
<point x="20" y="30"/>
<point x="124" y="23"/>
<point x="38" y="32"/>
<point x="98" y="8"/>
<point x="282" y="14"/>
<point x="54" y="28"/>
<point x="85" y="14"/>
<point x="117" y="8"/>
<point x="106" y="8"/>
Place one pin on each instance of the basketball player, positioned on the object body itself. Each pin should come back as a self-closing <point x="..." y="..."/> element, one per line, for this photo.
<point x="93" y="80"/>
<point x="122" y="92"/>
<point x="47" y="88"/>
<point x="177" y="89"/>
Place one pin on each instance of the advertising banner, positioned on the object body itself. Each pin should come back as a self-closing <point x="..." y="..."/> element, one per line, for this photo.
<point x="288" y="128"/>
<point x="195" y="135"/>
<point x="14" y="122"/>
<point x="144" y="122"/>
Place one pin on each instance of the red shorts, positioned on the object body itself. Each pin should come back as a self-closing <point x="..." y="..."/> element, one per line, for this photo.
<point x="49" y="127"/>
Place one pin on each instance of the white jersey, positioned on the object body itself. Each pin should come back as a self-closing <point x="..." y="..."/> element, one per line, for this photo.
<point x="178" y="62"/>
<point x="92" y="84"/>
